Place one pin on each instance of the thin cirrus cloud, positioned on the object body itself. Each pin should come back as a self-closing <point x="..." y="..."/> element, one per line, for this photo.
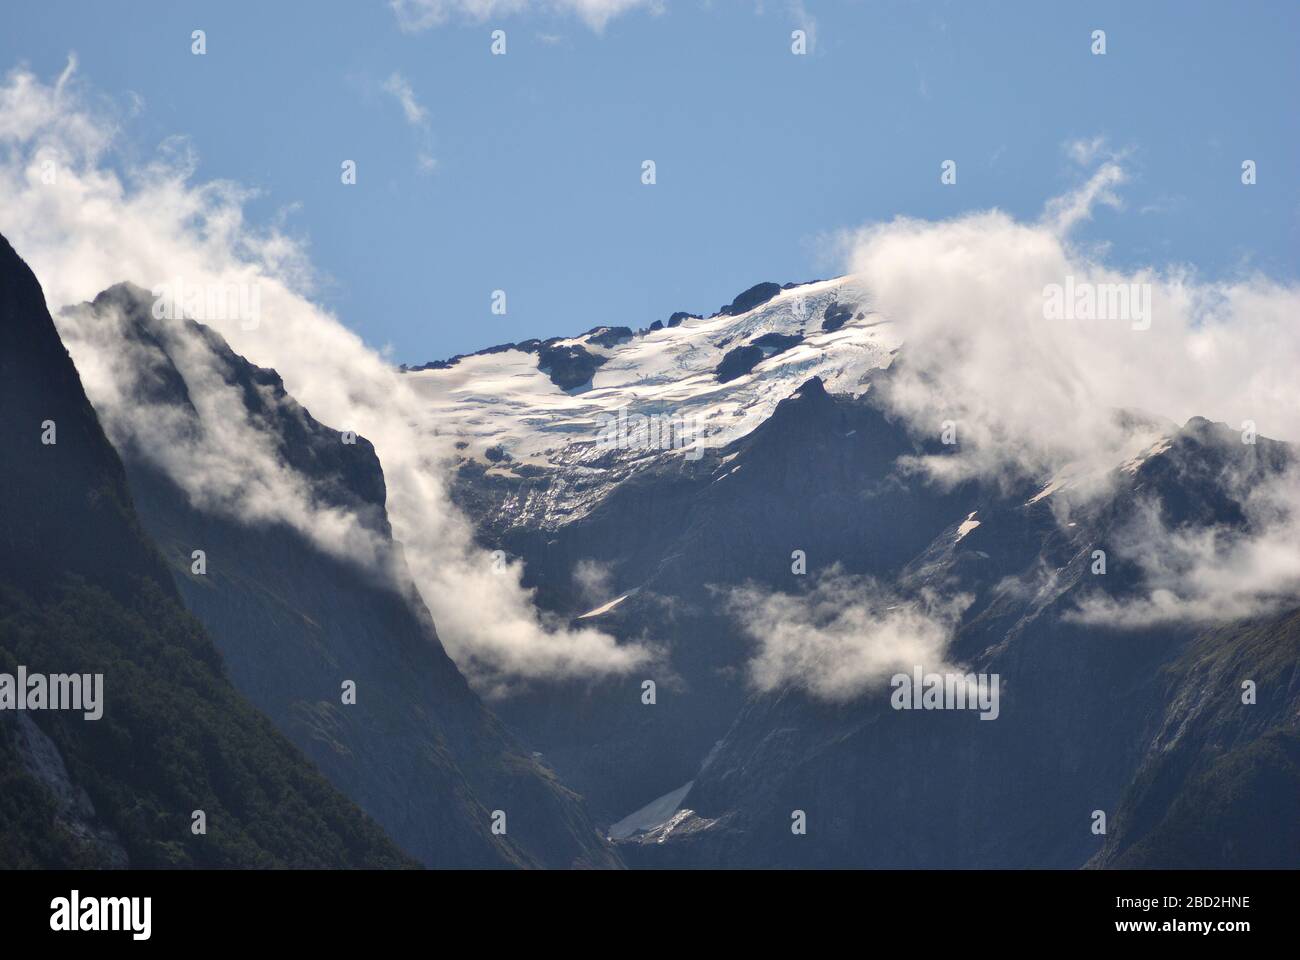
<point x="93" y="227"/>
<point x="414" y="16"/>
<point x="417" y="117"/>
<point x="400" y="88"/>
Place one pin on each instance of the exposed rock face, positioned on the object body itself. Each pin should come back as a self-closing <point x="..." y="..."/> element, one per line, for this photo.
<point x="74" y="813"/>
<point x="755" y="296"/>
<point x="609" y="336"/>
<point x="738" y="362"/>
<point x="741" y="360"/>
<point x="835" y="316"/>
<point x="569" y="367"/>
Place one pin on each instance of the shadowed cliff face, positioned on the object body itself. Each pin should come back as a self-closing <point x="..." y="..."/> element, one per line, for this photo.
<point x="83" y="590"/>
<point x="1145" y="723"/>
<point x="1218" y="780"/>
<point x="294" y="622"/>
<point x="55" y="494"/>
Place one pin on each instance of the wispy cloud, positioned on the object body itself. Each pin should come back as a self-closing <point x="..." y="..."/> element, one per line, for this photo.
<point x="417" y="117"/>
<point x="414" y="16"/>
<point x="1065" y="212"/>
<point x="400" y="88"/>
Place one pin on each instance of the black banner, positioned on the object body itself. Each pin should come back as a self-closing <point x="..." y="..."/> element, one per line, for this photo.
<point x="333" y="909"/>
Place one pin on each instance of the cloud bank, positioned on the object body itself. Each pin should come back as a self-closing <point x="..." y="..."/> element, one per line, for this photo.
<point x="85" y="219"/>
<point x="1034" y="394"/>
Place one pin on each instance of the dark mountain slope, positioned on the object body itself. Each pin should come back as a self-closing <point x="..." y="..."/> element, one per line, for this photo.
<point x="819" y="476"/>
<point x="83" y="590"/>
<point x="1144" y="723"/>
<point x="1219" y="780"/>
<point x="418" y="750"/>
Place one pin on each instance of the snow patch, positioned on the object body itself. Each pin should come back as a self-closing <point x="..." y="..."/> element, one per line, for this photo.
<point x="1134" y="464"/>
<point x="1056" y="483"/>
<point x="654" y="814"/>
<point x="969" y="524"/>
<point x="604" y="608"/>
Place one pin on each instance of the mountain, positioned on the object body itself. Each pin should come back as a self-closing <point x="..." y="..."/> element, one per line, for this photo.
<point x="729" y="490"/>
<point x="293" y="620"/>
<point x="645" y="506"/>
<point x="1141" y="721"/>
<point x="553" y="452"/>
<point x="84" y="590"/>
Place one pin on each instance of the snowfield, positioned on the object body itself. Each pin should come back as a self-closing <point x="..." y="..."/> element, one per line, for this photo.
<point x="503" y="402"/>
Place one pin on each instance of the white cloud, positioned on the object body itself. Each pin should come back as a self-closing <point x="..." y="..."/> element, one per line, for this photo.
<point x="92" y="228"/>
<point x="1035" y="397"/>
<point x="844" y="636"/>
<point x="400" y="88"/>
<point x="1215" y="573"/>
<point x="416" y="115"/>
<point x="1085" y="152"/>
<point x="216" y="453"/>
<point x="416" y="15"/>
<point x="1065" y="212"/>
<point x="593" y="579"/>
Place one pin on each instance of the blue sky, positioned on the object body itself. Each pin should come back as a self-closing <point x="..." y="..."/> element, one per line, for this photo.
<point x="761" y="155"/>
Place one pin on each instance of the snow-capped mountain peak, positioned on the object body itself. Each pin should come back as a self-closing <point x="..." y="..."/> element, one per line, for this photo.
<point x="612" y="397"/>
